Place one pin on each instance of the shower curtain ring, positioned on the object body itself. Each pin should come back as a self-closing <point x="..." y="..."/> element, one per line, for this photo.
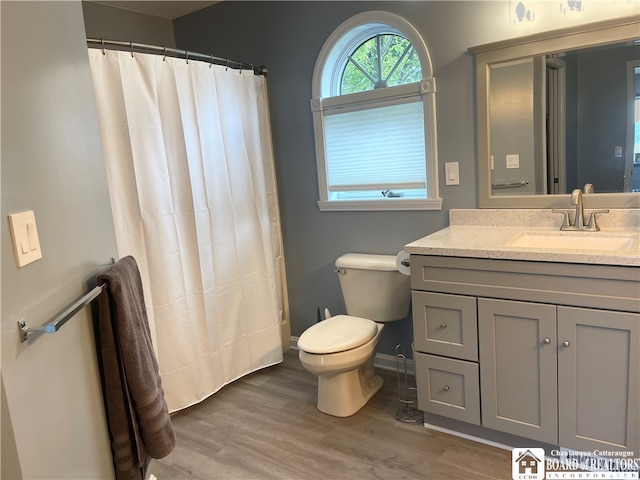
<point x="131" y="46"/>
<point x="187" y="56"/>
<point x="227" y="68"/>
<point x="164" y="49"/>
<point x="103" y="50"/>
<point x="211" y="61"/>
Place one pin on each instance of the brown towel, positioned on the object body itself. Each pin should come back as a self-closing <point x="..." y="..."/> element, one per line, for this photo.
<point x="137" y="413"/>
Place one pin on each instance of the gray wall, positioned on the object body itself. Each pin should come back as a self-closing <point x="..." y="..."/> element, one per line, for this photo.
<point x="512" y="128"/>
<point x="51" y="163"/>
<point x="103" y="21"/>
<point x="52" y="418"/>
<point x="287" y="37"/>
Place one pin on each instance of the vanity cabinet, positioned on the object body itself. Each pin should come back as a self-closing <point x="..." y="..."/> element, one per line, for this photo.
<point x="556" y="354"/>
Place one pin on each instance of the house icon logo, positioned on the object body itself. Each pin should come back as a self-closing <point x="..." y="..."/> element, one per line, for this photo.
<point x="527" y="463"/>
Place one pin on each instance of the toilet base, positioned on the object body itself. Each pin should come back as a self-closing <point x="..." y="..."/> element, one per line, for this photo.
<point x="347" y="379"/>
<point x="345" y="393"/>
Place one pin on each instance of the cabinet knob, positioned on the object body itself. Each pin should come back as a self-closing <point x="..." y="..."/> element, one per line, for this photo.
<point x="443" y="325"/>
<point x="446" y="388"/>
<point x="566" y="343"/>
<point x="546" y="341"/>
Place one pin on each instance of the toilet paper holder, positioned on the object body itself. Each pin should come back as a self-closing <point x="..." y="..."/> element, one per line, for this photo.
<point x="407" y="391"/>
<point x="403" y="262"/>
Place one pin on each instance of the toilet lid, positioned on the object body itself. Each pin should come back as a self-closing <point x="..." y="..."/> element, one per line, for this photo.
<point x="337" y="334"/>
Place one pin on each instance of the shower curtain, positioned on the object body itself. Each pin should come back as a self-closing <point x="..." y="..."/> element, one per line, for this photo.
<point x="189" y="162"/>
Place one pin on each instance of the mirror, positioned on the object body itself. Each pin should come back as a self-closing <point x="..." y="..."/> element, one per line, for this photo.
<point x="556" y="111"/>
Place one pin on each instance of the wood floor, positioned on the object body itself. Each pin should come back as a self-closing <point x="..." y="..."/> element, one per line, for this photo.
<point x="266" y="426"/>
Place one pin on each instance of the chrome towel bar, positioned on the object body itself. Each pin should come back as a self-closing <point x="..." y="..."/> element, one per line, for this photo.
<point x="54" y="325"/>
<point x="521" y="183"/>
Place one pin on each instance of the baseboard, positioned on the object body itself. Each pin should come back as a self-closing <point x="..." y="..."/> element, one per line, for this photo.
<point x="382" y="360"/>
<point x="467" y="436"/>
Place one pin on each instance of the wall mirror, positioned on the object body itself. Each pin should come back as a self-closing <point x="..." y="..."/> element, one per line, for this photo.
<point x="558" y="110"/>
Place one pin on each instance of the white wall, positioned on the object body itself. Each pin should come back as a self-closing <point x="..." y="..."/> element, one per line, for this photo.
<point x="52" y="164"/>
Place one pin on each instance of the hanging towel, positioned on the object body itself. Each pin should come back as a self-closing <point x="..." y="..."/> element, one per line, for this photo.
<point x="137" y="414"/>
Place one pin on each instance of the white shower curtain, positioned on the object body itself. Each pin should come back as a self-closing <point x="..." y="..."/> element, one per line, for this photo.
<point x="189" y="162"/>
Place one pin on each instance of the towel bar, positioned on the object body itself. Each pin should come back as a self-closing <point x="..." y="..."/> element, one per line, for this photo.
<point x="54" y="325"/>
<point x="521" y="183"/>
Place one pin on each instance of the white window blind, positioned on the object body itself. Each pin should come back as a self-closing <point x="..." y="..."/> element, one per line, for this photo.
<point x="381" y="148"/>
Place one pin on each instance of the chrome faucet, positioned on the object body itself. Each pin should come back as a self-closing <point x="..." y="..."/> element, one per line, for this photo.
<point x="576" y="199"/>
<point x="578" y="223"/>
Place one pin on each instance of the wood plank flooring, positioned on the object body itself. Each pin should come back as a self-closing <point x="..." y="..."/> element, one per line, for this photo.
<point x="266" y="426"/>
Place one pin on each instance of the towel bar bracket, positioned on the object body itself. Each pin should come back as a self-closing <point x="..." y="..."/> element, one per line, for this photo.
<point x="24" y="331"/>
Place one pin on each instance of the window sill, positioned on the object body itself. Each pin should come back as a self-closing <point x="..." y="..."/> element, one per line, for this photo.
<point x="380" y="205"/>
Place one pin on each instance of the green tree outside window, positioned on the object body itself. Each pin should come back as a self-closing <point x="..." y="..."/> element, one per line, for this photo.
<point x="382" y="61"/>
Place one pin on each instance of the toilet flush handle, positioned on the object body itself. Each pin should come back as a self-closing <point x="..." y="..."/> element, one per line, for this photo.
<point x="341" y="271"/>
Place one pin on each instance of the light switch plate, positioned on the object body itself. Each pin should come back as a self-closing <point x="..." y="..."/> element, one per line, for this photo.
<point x="513" y="161"/>
<point x="24" y="233"/>
<point x="452" y="173"/>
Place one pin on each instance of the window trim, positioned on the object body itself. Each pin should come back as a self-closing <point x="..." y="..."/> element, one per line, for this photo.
<point x="346" y="38"/>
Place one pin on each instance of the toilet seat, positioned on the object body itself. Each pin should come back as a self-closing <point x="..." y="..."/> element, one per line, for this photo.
<point x="337" y="334"/>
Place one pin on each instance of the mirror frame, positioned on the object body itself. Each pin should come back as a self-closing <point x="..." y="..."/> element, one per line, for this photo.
<point x="588" y="35"/>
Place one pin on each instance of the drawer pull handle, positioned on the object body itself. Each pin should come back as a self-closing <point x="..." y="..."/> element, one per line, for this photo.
<point x="446" y="388"/>
<point x="443" y="325"/>
<point x="546" y="341"/>
<point x="566" y="343"/>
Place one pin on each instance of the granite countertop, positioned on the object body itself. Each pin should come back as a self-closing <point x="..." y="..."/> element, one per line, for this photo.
<point x="489" y="233"/>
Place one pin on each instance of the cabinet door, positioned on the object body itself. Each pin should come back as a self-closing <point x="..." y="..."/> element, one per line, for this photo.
<point x="518" y="370"/>
<point x="598" y="379"/>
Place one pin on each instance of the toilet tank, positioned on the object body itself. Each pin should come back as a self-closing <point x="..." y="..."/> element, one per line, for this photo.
<point x="373" y="288"/>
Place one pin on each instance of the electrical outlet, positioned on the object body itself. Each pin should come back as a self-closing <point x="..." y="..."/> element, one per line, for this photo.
<point x="618" y="151"/>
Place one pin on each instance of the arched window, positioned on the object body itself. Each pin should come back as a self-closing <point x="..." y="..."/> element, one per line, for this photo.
<point x="384" y="60"/>
<point x="374" y="117"/>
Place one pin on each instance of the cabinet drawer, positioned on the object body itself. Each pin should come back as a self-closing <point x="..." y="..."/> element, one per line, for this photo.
<point x="448" y="387"/>
<point x="445" y="325"/>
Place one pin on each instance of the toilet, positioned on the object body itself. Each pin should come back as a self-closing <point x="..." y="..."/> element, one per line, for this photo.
<point x="340" y="350"/>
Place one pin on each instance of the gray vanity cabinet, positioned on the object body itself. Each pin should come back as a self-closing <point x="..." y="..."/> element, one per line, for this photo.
<point x="558" y="348"/>
<point x="560" y="375"/>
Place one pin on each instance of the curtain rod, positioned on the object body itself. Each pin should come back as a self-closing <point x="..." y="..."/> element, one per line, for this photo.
<point x="174" y="52"/>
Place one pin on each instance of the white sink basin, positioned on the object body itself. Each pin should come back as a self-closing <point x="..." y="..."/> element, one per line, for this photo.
<point x="577" y="241"/>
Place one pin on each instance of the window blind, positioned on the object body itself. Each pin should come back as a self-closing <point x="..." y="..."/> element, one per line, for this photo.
<point x="377" y="148"/>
